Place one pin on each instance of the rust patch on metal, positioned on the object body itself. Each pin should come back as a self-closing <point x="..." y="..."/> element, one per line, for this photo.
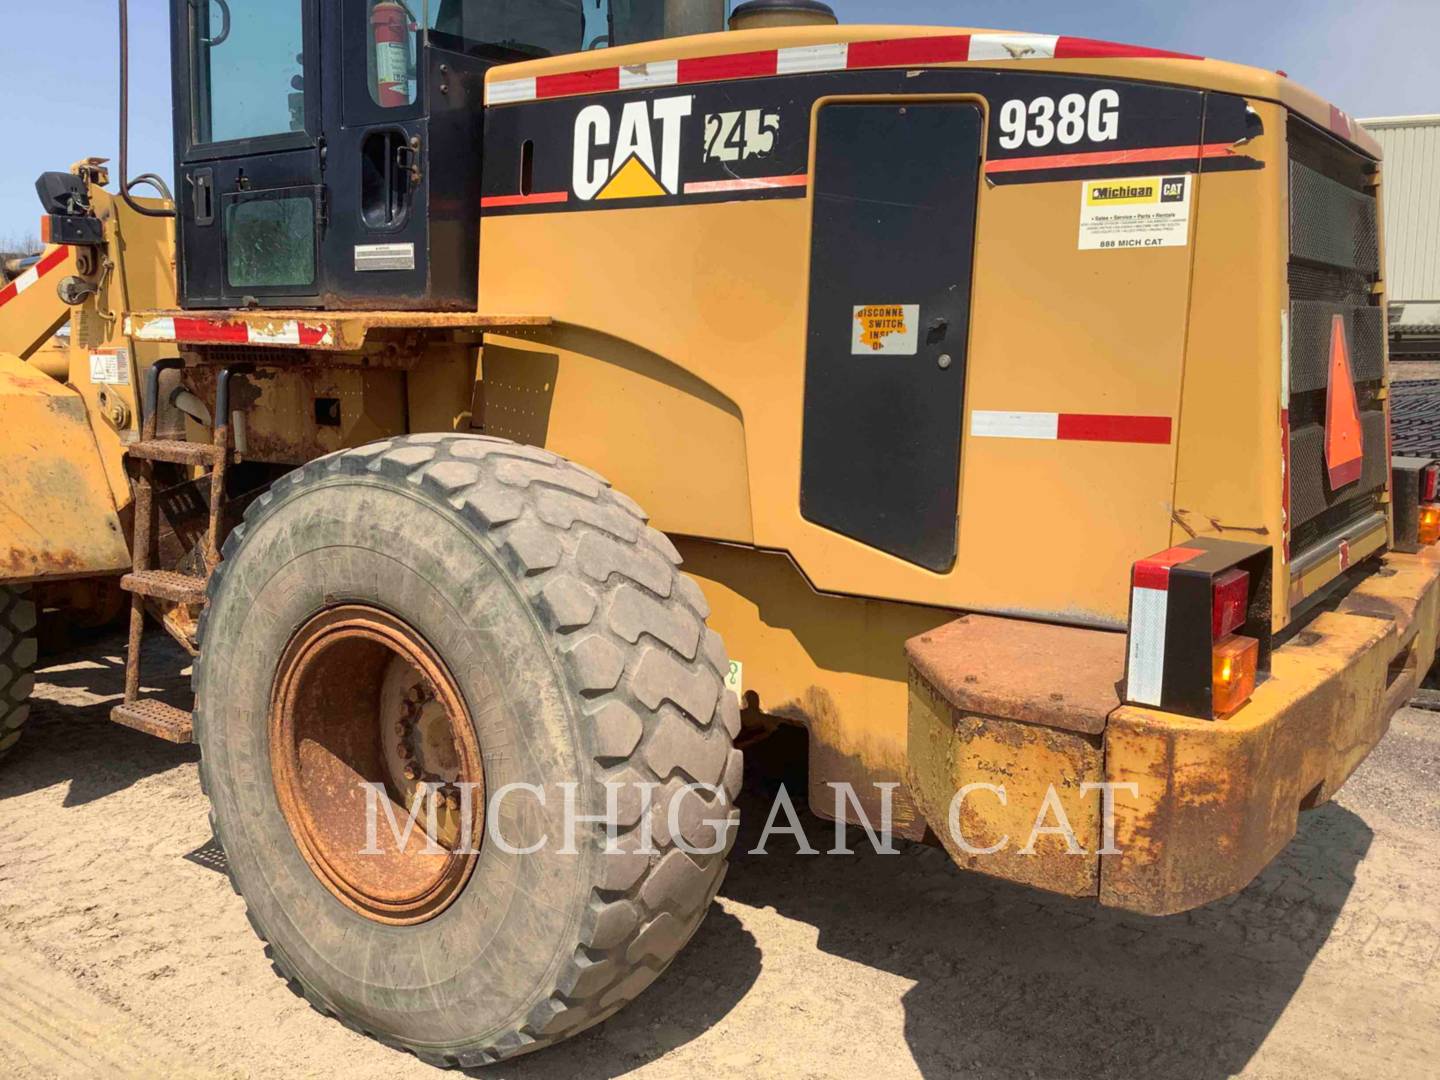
<point x="1036" y="673"/>
<point x="950" y="750"/>
<point x="1218" y="800"/>
<point x="330" y="733"/>
<point x="22" y="562"/>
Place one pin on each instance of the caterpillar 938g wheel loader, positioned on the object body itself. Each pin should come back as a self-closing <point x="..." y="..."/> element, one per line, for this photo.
<point x="1015" y="404"/>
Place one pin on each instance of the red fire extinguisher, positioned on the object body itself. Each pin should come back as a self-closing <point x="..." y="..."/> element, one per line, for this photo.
<point x="390" y="33"/>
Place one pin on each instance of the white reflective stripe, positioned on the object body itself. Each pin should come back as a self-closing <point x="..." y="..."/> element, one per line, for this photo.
<point x="25" y="280"/>
<point x="655" y="73"/>
<point x="1014" y="425"/>
<point x="1146" y="670"/>
<point x="155" y="330"/>
<point x="287" y="333"/>
<point x="812" y="58"/>
<point x="1012" y="46"/>
<point x="502" y="93"/>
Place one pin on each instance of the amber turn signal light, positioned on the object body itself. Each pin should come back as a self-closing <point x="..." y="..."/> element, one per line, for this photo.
<point x="1234" y="664"/>
<point x="1429" y="523"/>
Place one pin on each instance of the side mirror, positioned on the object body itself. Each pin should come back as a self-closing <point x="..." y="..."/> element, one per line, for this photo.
<point x="63" y="193"/>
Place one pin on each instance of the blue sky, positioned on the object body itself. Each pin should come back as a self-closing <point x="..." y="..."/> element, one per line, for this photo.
<point x="60" y="63"/>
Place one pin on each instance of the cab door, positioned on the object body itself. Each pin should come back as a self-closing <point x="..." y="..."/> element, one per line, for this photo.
<point x="249" y="152"/>
<point x="376" y="248"/>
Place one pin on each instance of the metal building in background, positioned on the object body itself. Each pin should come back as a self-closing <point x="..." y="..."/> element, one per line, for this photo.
<point x="1412" y="232"/>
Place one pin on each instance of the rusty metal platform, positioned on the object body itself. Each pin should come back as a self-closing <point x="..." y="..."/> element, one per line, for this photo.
<point x="324" y="331"/>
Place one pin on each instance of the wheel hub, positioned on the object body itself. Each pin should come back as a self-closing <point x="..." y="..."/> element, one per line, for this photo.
<point x="365" y="721"/>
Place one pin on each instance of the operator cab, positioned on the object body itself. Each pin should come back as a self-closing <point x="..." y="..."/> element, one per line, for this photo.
<point x="329" y="154"/>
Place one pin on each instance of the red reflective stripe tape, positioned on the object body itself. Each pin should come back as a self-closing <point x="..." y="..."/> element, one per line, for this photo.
<point x="1340" y="123"/>
<point x="1154" y="572"/>
<point x="903" y="52"/>
<point x="1109" y="157"/>
<point x="1081" y="427"/>
<point x="735" y="66"/>
<point x="313" y="335"/>
<point x="1285" y="477"/>
<point x="893" y="52"/>
<point x="48" y="261"/>
<point x="597" y="81"/>
<point x="542" y="199"/>
<point x="1079" y="48"/>
<point x="227" y="333"/>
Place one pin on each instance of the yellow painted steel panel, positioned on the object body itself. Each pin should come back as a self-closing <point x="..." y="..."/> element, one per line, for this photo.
<point x="57" y="517"/>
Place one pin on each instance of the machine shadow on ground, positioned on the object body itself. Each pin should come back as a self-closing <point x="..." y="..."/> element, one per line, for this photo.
<point x="1010" y="981"/>
<point x="1007" y="981"/>
<point x="75" y="742"/>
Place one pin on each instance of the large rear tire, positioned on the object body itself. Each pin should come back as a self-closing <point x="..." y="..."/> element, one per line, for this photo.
<point x="17" y="664"/>
<point x="577" y="654"/>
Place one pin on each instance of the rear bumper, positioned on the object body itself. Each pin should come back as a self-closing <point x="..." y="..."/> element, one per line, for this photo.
<point x="1218" y="800"/>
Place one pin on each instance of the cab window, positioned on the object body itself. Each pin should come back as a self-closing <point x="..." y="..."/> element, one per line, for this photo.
<point x="249" y="79"/>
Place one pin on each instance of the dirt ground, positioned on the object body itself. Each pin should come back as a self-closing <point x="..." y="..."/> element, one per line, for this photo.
<point x="124" y="952"/>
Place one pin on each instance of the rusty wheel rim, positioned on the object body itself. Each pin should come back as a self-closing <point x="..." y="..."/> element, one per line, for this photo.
<point x="360" y="698"/>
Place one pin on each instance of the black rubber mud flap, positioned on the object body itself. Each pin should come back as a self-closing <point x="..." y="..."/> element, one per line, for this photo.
<point x="894" y="231"/>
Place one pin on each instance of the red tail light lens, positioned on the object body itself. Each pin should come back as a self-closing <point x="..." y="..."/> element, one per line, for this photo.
<point x="1232" y="598"/>
<point x="1430" y="483"/>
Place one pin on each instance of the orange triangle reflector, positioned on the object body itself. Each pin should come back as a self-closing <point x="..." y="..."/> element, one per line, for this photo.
<point x="1344" y="441"/>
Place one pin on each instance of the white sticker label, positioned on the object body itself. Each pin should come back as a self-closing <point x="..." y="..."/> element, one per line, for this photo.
<point x="886" y="330"/>
<point x="384" y="256"/>
<point x="1139" y="212"/>
<point x="735" y="681"/>
<point x="112" y="368"/>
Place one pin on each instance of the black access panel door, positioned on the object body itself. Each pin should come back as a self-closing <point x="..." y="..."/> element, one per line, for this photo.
<point x="894" y="231"/>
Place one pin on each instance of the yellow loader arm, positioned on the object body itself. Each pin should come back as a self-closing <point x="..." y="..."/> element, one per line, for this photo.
<point x="31" y="310"/>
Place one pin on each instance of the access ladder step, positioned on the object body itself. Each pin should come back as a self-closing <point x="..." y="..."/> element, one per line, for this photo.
<point x="165" y="585"/>
<point x="155" y="718"/>
<point x="175" y="450"/>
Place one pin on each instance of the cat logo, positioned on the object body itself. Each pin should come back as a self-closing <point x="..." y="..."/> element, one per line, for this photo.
<point x="637" y="159"/>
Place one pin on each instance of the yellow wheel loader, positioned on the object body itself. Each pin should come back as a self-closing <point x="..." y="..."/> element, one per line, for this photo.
<point x="1008" y="411"/>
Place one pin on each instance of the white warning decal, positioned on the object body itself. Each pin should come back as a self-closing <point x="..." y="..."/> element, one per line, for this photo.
<point x="886" y="330"/>
<point x="110" y="368"/>
<point x="1137" y="212"/>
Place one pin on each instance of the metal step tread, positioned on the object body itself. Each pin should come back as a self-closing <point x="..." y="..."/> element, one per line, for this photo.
<point x="155" y="718"/>
<point x="174" y="450"/>
<point x="166" y="585"/>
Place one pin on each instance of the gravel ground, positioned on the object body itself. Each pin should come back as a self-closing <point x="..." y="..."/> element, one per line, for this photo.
<point x="124" y="952"/>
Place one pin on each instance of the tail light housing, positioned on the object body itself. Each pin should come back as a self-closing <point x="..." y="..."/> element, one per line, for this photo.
<point x="1415" y="502"/>
<point x="1199" y="634"/>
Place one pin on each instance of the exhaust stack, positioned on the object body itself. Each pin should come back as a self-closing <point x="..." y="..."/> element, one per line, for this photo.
<point x="762" y="14"/>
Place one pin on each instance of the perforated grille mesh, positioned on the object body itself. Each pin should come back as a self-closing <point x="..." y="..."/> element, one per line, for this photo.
<point x="1334" y="263"/>
<point x="1331" y="224"/>
<point x="1311" y="327"/>
<point x="1310" y="494"/>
